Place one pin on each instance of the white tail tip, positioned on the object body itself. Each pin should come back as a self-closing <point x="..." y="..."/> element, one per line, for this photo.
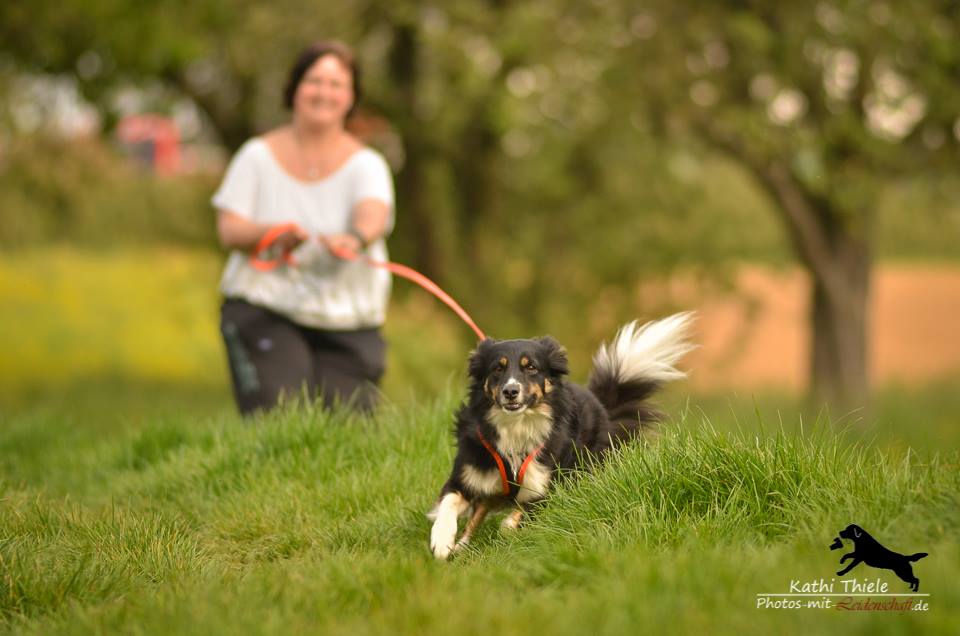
<point x="649" y="352"/>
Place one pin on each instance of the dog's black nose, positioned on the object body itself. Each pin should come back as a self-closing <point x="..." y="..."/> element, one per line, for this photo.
<point x="511" y="392"/>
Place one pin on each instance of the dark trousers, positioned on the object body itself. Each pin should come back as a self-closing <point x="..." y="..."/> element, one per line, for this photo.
<point x="270" y="356"/>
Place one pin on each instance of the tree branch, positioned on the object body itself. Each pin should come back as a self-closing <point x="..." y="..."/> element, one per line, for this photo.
<point x="796" y="208"/>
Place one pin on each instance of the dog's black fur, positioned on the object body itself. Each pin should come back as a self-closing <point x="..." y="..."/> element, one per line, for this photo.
<point x="581" y="426"/>
<point x="868" y="550"/>
<point x="519" y="398"/>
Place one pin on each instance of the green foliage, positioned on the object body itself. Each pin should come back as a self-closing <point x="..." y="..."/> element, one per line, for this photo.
<point x="846" y="94"/>
<point x="107" y="44"/>
<point x="84" y="192"/>
<point x="554" y="154"/>
<point x="919" y="220"/>
<point x="551" y="149"/>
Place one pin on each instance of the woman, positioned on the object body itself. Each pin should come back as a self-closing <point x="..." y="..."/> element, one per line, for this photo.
<point x="313" y="324"/>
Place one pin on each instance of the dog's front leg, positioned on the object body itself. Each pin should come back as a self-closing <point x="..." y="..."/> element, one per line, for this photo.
<point x="443" y="535"/>
<point x="480" y="510"/>
<point x="856" y="562"/>
<point x="848" y="555"/>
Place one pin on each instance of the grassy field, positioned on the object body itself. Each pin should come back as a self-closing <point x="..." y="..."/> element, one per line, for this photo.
<point x="133" y="499"/>
<point x="307" y="521"/>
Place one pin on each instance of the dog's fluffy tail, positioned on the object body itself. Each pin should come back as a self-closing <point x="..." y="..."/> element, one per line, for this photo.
<point x="638" y="361"/>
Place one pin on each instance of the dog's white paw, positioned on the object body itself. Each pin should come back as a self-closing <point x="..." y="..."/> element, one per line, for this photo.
<point x="442" y="551"/>
<point x="512" y="520"/>
<point x="443" y="535"/>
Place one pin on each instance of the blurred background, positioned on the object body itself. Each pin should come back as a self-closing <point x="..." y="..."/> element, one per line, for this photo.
<point x="788" y="170"/>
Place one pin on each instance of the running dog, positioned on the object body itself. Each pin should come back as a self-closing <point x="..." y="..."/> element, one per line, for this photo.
<point x="868" y="550"/>
<point x="523" y="424"/>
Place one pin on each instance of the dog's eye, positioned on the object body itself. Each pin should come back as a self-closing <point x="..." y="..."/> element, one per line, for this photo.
<point x="531" y="368"/>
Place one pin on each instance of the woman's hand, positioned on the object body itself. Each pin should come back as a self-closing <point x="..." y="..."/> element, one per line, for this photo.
<point x="342" y="245"/>
<point x="237" y="232"/>
<point x="291" y="239"/>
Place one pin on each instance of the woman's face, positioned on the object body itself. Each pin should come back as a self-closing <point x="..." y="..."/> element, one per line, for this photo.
<point x="325" y="94"/>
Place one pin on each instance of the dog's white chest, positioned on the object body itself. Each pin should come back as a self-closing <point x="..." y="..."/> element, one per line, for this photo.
<point x="483" y="482"/>
<point x="518" y="437"/>
<point x="536" y="479"/>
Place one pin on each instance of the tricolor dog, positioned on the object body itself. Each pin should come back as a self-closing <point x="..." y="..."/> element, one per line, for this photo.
<point x="523" y="423"/>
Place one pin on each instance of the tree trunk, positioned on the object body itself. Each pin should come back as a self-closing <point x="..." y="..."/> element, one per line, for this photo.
<point x="414" y="218"/>
<point x="474" y="173"/>
<point x="838" y="261"/>
<point x="839" y="328"/>
<point x="839" y="264"/>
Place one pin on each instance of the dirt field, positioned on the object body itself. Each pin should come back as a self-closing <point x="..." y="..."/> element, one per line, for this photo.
<point x="756" y="337"/>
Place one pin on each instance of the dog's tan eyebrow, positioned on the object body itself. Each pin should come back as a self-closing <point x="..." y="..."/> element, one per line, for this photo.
<point x="524" y="361"/>
<point x="502" y="361"/>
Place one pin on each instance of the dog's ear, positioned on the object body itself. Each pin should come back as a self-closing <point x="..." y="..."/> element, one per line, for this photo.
<point x="479" y="358"/>
<point x="857" y="531"/>
<point x="555" y="355"/>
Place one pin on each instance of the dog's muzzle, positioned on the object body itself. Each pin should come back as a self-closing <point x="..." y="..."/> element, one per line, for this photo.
<point x="511" y="396"/>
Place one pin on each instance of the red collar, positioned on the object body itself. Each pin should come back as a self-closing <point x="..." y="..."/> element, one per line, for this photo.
<point x="503" y="471"/>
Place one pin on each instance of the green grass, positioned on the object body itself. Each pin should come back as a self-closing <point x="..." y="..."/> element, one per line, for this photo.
<point x="134" y="500"/>
<point x="920" y="419"/>
<point x="145" y="313"/>
<point x="310" y="521"/>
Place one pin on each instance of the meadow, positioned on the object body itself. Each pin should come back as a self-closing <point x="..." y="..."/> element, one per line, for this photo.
<point x="559" y="168"/>
<point x="310" y="521"/>
<point x="133" y="499"/>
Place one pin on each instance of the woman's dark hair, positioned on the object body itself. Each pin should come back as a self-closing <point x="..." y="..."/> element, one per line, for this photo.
<point x="313" y="53"/>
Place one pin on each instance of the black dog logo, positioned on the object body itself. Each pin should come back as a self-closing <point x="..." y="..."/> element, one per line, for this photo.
<point x="868" y="550"/>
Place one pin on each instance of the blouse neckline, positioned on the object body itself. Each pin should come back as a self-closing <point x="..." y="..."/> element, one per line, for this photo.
<point x="309" y="182"/>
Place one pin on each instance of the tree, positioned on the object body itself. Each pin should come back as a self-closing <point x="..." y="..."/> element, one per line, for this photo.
<point x="823" y="104"/>
<point x="533" y="120"/>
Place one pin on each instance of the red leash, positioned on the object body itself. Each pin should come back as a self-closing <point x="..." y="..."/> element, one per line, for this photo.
<point x="413" y="275"/>
<point x="400" y="270"/>
<point x="503" y="471"/>
<point x="264" y="244"/>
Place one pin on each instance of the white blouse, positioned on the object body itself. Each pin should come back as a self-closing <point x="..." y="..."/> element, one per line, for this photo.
<point x="321" y="291"/>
